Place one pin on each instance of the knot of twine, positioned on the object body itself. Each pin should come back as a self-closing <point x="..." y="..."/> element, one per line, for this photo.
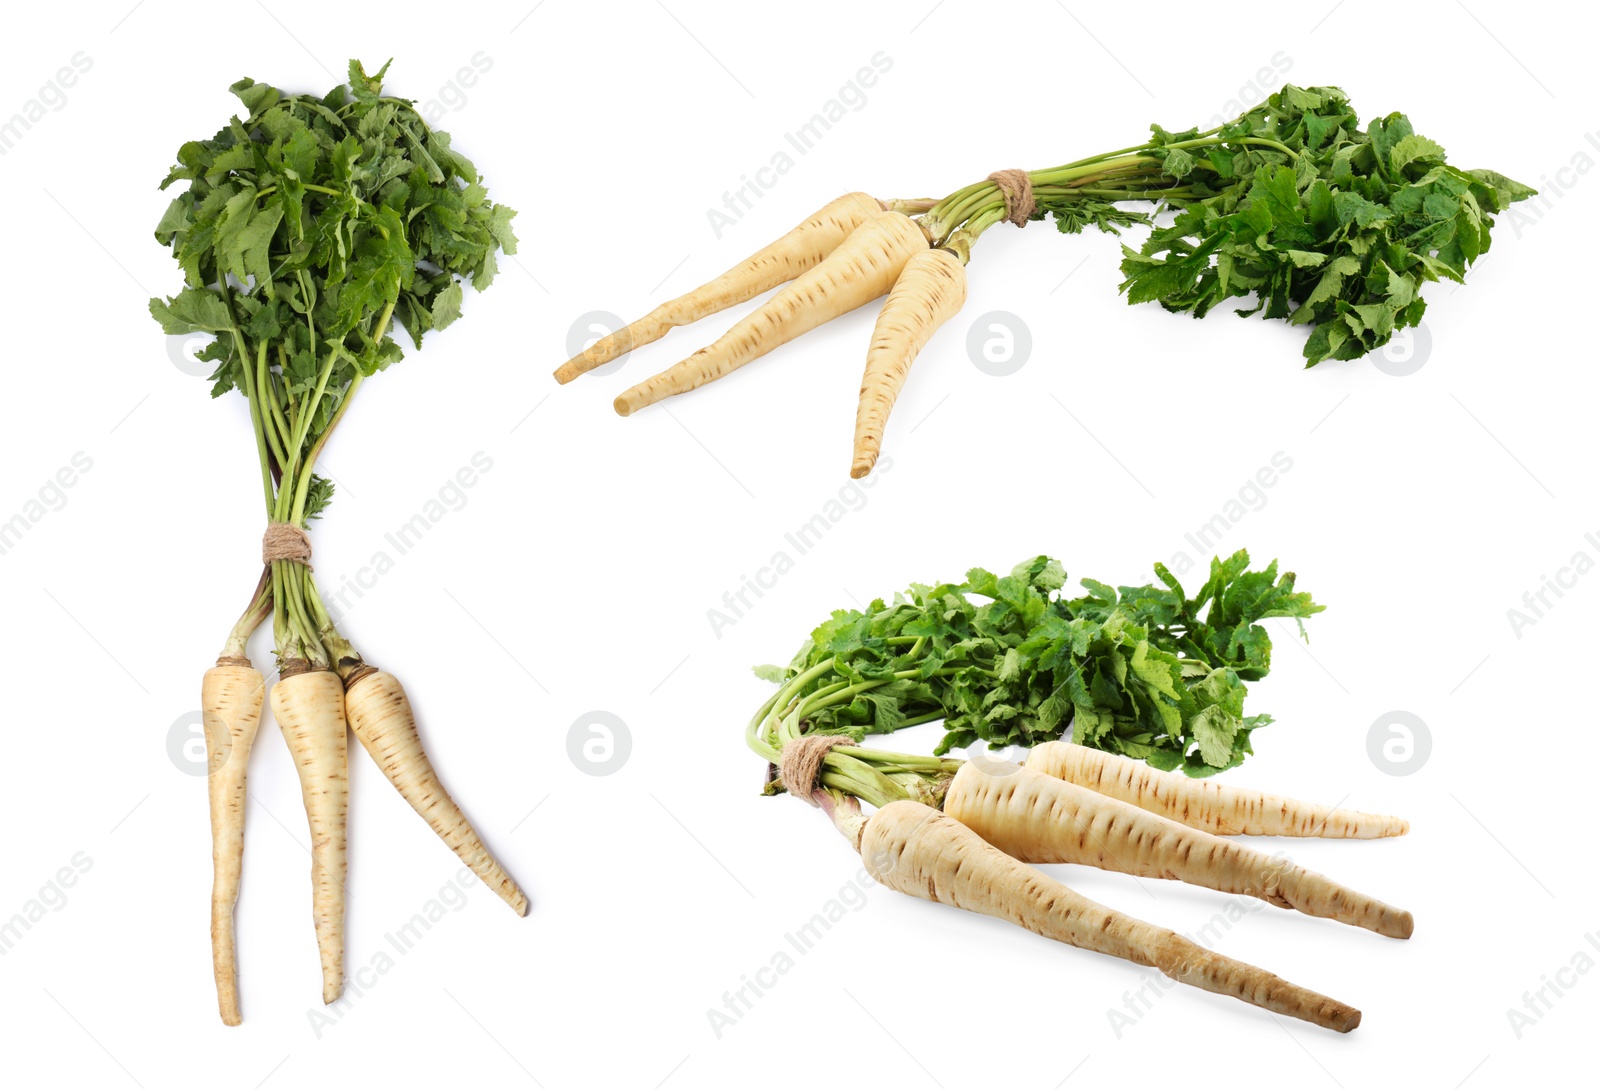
<point x="283" y="541"/>
<point x="1018" y="191"/>
<point x="801" y="763"/>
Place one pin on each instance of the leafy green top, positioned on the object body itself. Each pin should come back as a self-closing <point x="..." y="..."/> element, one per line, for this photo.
<point x="326" y="216"/>
<point x="1291" y="201"/>
<point x="1344" y="223"/>
<point x="1145" y="671"/>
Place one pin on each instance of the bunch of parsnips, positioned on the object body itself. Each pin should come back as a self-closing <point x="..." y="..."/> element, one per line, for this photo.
<point x="964" y="832"/>
<point x="1325" y="223"/>
<point x="309" y="227"/>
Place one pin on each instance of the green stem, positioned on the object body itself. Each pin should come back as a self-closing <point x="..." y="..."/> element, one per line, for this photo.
<point x="346" y="660"/>
<point x="303" y="488"/>
<point x="257" y="424"/>
<point x="301" y="629"/>
<point x="963" y="209"/>
<point x="269" y="190"/>
<point x="307" y="412"/>
<point x="306" y="619"/>
<point x="874" y="776"/>
<point x="259" y="609"/>
<point x="280" y="610"/>
<point x="271" y="415"/>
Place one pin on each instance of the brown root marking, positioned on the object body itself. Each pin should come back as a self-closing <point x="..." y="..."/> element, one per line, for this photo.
<point x="381" y="716"/>
<point x="797" y="251"/>
<point x="924" y="853"/>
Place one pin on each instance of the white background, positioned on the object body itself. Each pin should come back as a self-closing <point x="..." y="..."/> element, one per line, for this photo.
<point x="578" y="574"/>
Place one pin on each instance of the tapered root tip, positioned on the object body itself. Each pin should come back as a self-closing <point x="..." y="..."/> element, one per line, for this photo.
<point x="862" y="466"/>
<point x="230" y="1013"/>
<point x="331" y="992"/>
<point x="567" y="372"/>
<point x="507" y="890"/>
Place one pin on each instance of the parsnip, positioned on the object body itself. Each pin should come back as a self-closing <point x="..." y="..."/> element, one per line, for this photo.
<point x="1036" y="818"/>
<point x="381" y="716"/>
<point x="862" y="268"/>
<point x="230" y="704"/>
<point x="309" y="708"/>
<point x="920" y="851"/>
<point x="929" y="291"/>
<point x="798" y="250"/>
<point x="1220" y="808"/>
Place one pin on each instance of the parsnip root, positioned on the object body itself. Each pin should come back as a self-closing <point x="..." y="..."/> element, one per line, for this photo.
<point x="1218" y="808"/>
<point x="930" y="290"/>
<point x="231" y="696"/>
<point x="309" y="708"/>
<point x="1036" y="818"/>
<point x="381" y="716"/>
<point x="862" y="268"/>
<point x="920" y="851"/>
<point x="798" y="250"/>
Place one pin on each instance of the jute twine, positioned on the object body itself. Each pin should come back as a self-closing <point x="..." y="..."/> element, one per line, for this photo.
<point x="1018" y="191"/>
<point x="283" y="541"/>
<point x="801" y="763"/>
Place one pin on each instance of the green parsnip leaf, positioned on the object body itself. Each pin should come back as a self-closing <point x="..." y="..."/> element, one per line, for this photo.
<point x="306" y="223"/>
<point x="1328" y="225"/>
<point x="1140" y="670"/>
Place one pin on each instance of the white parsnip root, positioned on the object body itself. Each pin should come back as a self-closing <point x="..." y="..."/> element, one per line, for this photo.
<point x="231" y="696"/>
<point x="800" y="249"/>
<point x="311" y="230"/>
<point x="309" y="708"/>
<point x="1037" y="818"/>
<point x="969" y="832"/>
<point x="381" y="716"/>
<point x="930" y="290"/>
<point x="863" y="267"/>
<point x="922" y="852"/>
<point x="1219" y="808"/>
